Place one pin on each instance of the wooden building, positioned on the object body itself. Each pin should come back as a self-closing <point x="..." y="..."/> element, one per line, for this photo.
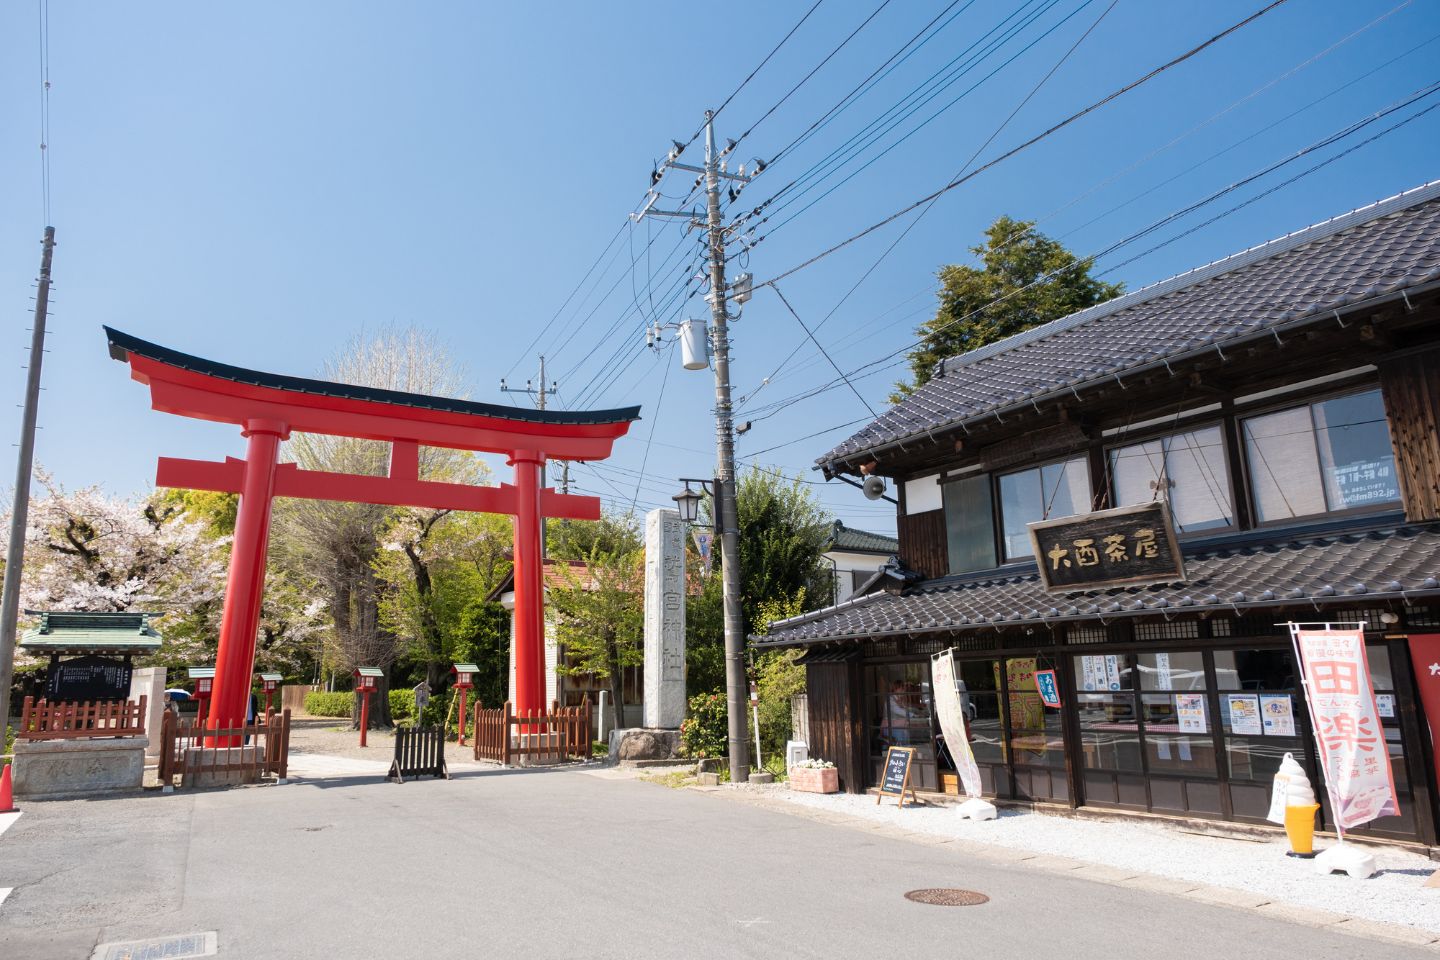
<point x="1284" y="405"/>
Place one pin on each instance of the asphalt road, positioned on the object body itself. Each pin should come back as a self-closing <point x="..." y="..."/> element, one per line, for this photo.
<point x="561" y="864"/>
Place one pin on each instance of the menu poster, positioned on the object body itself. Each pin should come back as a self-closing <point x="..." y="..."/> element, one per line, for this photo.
<point x="1278" y="713"/>
<point x="1190" y="711"/>
<point x="1100" y="673"/>
<point x="1244" y="714"/>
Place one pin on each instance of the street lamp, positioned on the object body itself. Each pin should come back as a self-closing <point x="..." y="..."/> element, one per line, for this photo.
<point x="688" y="501"/>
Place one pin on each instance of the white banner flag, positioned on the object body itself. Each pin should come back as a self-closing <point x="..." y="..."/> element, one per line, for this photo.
<point x="1347" y="723"/>
<point x="949" y="692"/>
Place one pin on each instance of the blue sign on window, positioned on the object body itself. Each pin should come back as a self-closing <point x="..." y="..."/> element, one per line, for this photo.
<point x="1048" y="686"/>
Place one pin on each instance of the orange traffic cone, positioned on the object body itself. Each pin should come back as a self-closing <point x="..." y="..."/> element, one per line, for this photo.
<point x="7" y="796"/>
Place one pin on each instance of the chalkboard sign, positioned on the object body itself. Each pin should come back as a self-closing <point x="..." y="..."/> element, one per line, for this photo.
<point x="88" y="678"/>
<point x="895" y="775"/>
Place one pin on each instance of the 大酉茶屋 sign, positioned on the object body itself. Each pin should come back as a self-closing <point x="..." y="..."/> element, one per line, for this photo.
<point x="1126" y="546"/>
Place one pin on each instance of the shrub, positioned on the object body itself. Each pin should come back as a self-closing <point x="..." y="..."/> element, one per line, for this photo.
<point x="321" y="704"/>
<point x="706" y="732"/>
<point x="9" y="746"/>
<point x="599" y="749"/>
<point x="402" y="704"/>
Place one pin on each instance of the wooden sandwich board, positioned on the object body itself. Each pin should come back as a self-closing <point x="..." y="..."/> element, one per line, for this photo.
<point x="895" y="775"/>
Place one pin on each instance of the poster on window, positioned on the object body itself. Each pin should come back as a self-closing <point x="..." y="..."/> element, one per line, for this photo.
<point x="1278" y="713"/>
<point x="949" y="692"/>
<point x="1244" y="714"/>
<point x="1100" y="673"/>
<point x="1348" y="731"/>
<point x="1363" y="482"/>
<point x="1190" y="713"/>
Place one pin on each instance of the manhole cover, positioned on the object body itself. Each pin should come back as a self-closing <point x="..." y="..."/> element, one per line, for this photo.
<point x="159" y="948"/>
<point x="947" y="897"/>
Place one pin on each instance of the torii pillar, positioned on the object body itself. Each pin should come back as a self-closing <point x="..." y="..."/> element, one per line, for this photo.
<point x="268" y="407"/>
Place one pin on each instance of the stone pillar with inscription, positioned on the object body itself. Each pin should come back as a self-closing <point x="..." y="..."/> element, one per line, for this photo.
<point x="664" y="620"/>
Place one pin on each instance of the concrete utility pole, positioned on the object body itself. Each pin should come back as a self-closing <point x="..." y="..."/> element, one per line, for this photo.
<point x="24" y="466"/>
<point x="727" y="519"/>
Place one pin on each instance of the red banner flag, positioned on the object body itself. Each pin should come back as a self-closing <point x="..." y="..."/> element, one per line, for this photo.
<point x="1347" y="724"/>
<point x="1425" y="663"/>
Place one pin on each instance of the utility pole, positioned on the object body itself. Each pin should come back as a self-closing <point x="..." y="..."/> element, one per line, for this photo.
<point x="24" y="465"/>
<point x="539" y="395"/>
<point x="726" y="516"/>
<point x="727" y="521"/>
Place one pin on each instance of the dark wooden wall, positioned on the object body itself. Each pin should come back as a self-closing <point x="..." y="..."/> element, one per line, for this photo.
<point x="922" y="542"/>
<point x="836" y="732"/>
<point x="1411" y="387"/>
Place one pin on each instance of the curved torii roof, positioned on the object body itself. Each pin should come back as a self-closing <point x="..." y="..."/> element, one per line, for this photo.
<point x="207" y="390"/>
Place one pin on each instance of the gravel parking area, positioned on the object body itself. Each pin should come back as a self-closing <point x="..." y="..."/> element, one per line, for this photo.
<point x="332" y="736"/>
<point x="1396" y="894"/>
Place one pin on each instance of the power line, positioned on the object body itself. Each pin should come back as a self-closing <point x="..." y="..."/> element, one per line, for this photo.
<point x="1421" y="94"/>
<point x="821" y="348"/>
<point x="965" y="166"/>
<point x="44" y="16"/>
<point x="1193" y="51"/>
<point x="726" y="102"/>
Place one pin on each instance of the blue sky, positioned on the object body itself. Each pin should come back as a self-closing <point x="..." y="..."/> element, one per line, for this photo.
<point x="258" y="182"/>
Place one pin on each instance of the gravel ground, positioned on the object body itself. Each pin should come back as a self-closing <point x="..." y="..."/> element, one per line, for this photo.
<point x="332" y="736"/>
<point x="1396" y="894"/>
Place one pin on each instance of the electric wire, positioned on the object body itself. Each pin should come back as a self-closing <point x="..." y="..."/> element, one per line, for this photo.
<point x="43" y="12"/>
<point x="1050" y="131"/>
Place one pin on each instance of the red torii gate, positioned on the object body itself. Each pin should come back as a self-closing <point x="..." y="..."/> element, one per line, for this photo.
<point x="268" y="407"/>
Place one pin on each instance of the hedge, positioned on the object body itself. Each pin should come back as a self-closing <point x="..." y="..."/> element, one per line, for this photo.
<point x="321" y="704"/>
<point x="402" y="704"/>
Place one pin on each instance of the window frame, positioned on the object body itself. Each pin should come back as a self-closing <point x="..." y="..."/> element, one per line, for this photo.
<point x="997" y="498"/>
<point x="1151" y="436"/>
<point x="1308" y="401"/>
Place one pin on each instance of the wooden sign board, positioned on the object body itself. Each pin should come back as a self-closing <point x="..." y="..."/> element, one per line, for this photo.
<point x="895" y="775"/>
<point x="1129" y="546"/>
<point x="88" y="678"/>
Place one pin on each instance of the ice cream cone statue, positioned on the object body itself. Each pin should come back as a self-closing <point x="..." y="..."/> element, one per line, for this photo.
<point x="1293" y="806"/>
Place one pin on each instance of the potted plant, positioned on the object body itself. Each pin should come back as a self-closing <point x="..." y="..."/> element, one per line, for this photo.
<point x="815" y="776"/>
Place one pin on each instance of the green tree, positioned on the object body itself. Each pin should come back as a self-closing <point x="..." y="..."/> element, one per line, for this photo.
<point x="778" y="677"/>
<point x="599" y="618"/>
<point x="980" y="305"/>
<point x="783" y="533"/>
<point x="578" y="539"/>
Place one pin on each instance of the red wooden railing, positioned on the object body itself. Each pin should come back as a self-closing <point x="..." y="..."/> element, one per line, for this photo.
<point x="43" y="720"/>
<point x="503" y="735"/>
<point x="262" y="748"/>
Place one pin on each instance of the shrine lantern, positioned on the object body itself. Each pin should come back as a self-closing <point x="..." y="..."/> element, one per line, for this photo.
<point x="464" y="680"/>
<point x="271" y="682"/>
<point x="367" y="681"/>
<point x="204" y="678"/>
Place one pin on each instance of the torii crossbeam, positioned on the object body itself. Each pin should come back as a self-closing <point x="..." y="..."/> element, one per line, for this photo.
<point x="269" y="407"/>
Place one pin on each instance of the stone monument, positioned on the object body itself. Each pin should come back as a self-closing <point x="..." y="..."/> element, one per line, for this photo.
<point x="659" y="739"/>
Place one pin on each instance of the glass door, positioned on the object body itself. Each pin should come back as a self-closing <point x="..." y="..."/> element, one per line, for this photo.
<point x="898" y="714"/>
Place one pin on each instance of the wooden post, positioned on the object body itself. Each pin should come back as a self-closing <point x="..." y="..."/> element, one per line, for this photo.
<point x="505" y="736"/>
<point x="364" y="716"/>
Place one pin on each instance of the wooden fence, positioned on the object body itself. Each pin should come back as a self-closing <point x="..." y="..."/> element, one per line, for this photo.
<point x="504" y="735"/>
<point x="42" y="720"/>
<point x="262" y="749"/>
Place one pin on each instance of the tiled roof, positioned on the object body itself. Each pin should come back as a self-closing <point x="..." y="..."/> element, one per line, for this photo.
<point x="1370" y="253"/>
<point x="862" y="541"/>
<point x="1350" y="568"/>
<point x="60" y="631"/>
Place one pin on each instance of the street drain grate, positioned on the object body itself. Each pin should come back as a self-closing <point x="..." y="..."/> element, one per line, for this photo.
<point x="160" y="948"/>
<point x="948" y="897"/>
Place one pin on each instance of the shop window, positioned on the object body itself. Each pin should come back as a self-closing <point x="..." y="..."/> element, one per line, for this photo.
<point x="1054" y="490"/>
<point x="1260" y="717"/>
<point x="898" y="714"/>
<point x="969" y="523"/>
<point x="1321" y="458"/>
<point x="1188" y="469"/>
<point x="1036" y="734"/>
<point x="1109" y="723"/>
<point x="981" y="703"/>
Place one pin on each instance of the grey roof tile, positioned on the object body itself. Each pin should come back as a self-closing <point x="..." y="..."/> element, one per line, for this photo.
<point x="1391" y="246"/>
<point x="1396" y="563"/>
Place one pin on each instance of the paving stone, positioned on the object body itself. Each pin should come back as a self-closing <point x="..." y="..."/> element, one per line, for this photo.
<point x="1229" y="897"/>
<point x="1393" y="932"/>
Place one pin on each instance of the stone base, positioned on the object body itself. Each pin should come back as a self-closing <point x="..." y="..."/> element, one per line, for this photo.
<point x="761" y="776"/>
<point x="62" y="769"/>
<point x="643" y="743"/>
<point x="197" y="761"/>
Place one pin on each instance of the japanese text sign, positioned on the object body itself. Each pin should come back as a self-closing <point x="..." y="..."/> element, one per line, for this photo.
<point x="1348" y="730"/>
<point x="1130" y="545"/>
<point x="1048" y="686"/>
